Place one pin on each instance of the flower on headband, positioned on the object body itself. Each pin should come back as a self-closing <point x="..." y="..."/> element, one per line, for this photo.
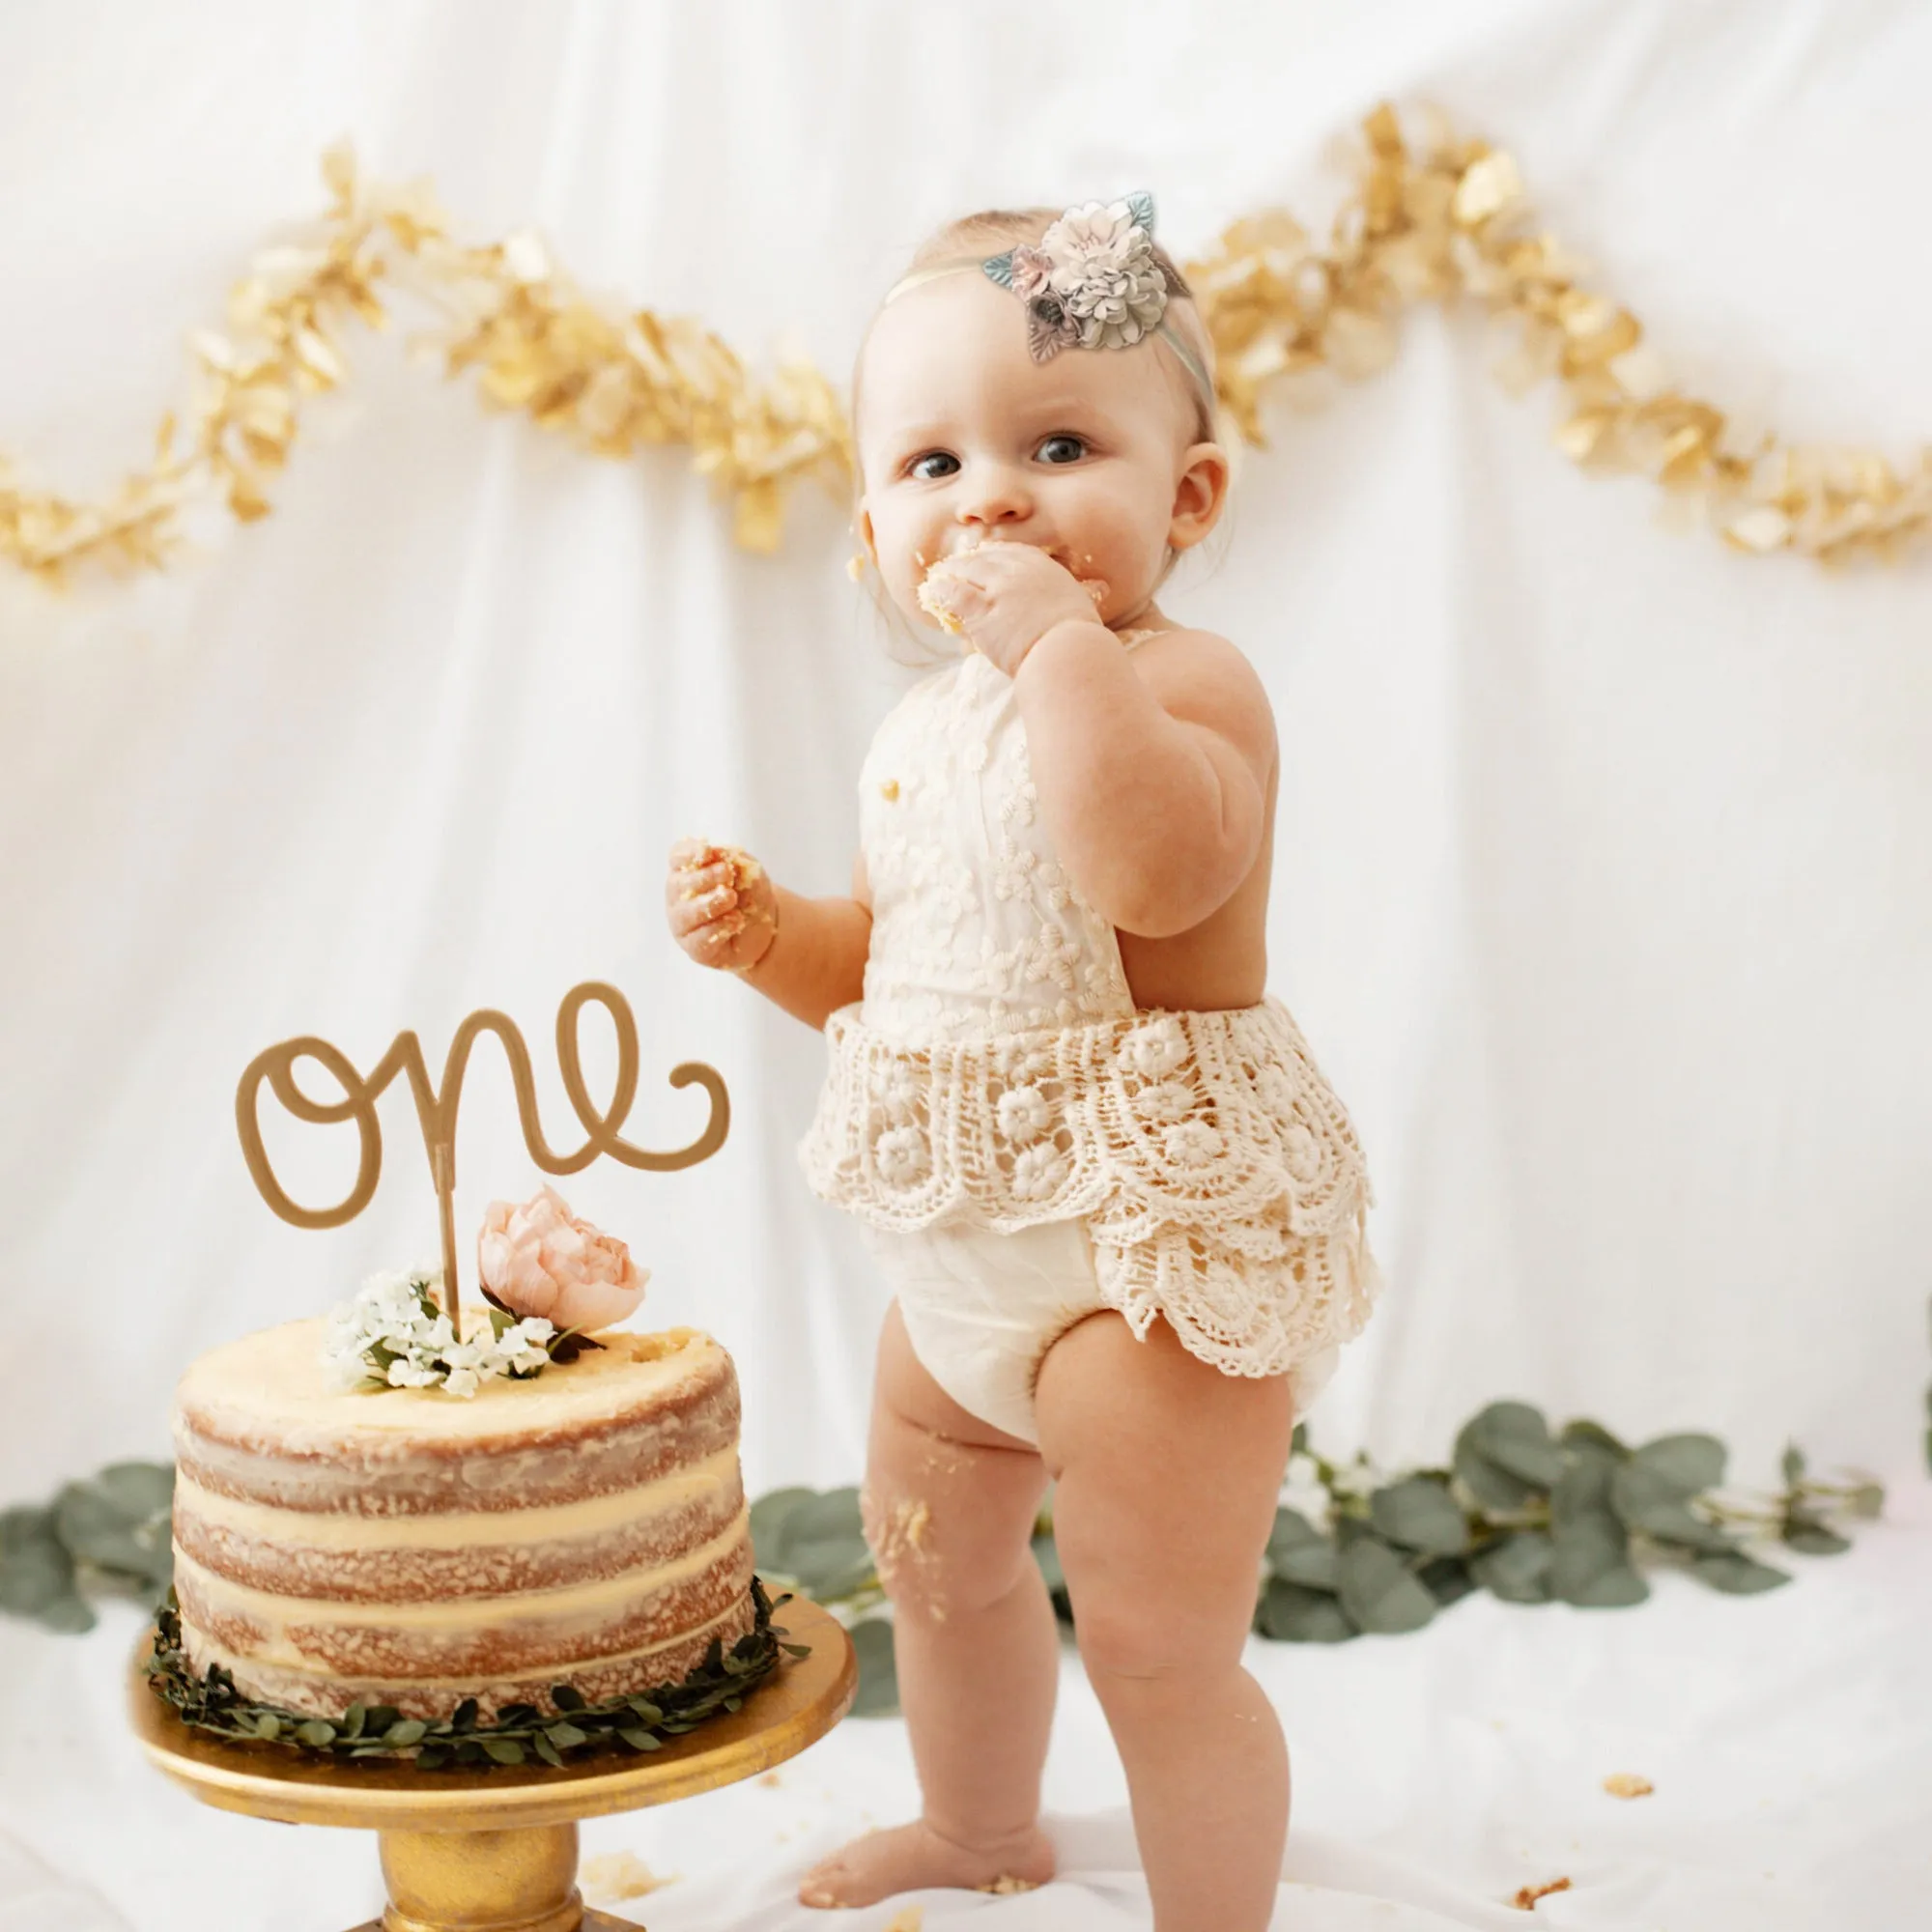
<point x="1090" y="282"/>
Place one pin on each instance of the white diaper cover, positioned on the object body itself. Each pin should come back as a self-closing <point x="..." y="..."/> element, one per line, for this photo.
<point x="982" y="1309"/>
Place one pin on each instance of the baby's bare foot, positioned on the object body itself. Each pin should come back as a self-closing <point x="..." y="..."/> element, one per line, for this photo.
<point x="914" y="1855"/>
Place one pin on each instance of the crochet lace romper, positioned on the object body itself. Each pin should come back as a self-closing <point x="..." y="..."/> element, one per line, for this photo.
<point x="996" y="1079"/>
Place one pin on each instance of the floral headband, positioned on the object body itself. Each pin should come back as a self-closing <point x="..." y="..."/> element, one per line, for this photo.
<point x="1092" y="281"/>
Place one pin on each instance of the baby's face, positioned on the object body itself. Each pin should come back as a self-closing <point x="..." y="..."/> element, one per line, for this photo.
<point x="964" y="438"/>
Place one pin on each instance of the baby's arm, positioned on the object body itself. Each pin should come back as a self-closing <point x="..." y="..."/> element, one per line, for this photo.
<point x="1151" y="778"/>
<point x="813" y="960"/>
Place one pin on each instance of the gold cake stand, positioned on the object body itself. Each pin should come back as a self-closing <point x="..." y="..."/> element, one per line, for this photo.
<point x="496" y="1851"/>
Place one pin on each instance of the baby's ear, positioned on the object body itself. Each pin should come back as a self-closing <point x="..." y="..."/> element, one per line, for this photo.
<point x="1200" y="494"/>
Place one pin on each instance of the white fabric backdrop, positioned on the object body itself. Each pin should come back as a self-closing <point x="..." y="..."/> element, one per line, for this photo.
<point x="1601" y="886"/>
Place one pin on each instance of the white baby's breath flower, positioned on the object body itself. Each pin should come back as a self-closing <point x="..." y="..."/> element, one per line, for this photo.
<point x="462" y="1382"/>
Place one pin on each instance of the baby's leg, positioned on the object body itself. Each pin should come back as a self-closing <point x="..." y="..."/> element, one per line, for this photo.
<point x="950" y="1506"/>
<point x="1168" y="1473"/>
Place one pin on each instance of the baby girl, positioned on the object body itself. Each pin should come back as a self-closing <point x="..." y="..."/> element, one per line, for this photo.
<point x="1121" y="1210"/>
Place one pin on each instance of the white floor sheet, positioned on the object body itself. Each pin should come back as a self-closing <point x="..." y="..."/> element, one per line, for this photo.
<point x="1600" y="881"/>
<point x="1435" y="1774"/>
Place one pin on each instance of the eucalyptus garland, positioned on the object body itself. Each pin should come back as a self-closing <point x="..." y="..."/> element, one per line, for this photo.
<point x="576" y="1729"/>
<point x="1575" y="1517"/>
<point x="1533" y="1517"/>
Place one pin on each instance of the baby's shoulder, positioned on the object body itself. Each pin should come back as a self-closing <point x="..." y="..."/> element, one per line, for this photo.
<point x="1205" y="678"/>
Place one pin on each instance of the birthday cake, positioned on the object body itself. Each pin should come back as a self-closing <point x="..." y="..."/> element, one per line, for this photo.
<point x="412" y="1548"/>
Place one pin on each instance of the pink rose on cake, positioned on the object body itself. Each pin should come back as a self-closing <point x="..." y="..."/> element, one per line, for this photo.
<point x="539" y="1259"/>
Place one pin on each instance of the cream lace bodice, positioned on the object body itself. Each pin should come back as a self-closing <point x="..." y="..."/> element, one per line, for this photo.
<point x="997" y="1071"/>
<point x="976" y="928"/>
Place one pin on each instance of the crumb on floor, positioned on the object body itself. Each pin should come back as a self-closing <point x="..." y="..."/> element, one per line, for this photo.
<point x="911" y="1919"/>
<point x="621" y="1875"/>
<point x="1628" y="1784"/>
<point x="1526" y="1898"/>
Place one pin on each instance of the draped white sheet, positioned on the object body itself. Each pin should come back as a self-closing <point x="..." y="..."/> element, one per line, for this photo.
<point x="1601" y="886"/>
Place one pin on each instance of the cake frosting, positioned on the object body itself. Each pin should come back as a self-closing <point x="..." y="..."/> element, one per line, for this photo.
<point x="410" y="1548"/>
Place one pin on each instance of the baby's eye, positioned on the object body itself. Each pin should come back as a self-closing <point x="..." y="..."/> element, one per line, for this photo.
<point x="917" y="467"/>
<point x="1061" y="448"/>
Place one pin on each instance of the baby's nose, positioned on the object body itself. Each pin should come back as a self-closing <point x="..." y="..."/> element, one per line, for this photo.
<point x="996" y="497"/>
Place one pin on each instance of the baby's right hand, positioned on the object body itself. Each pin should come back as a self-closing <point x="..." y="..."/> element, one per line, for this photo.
<point x="721" y="904"/>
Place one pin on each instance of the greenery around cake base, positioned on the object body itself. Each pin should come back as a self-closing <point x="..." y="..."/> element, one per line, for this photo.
<point x="378" y="1733"/>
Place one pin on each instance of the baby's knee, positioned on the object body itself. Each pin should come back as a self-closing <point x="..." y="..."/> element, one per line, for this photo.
<point x="940" y="1551"/>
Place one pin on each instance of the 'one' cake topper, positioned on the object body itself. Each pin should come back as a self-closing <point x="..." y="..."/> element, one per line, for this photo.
<point x="436" y="1109"/>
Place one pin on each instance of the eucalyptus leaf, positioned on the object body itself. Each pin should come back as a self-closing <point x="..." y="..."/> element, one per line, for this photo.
<point x="1581" y="1432"/>
<point x="98" y="1528"/>
<point x="1516" y="1438"/>
<point x="1046" y="1553"/>
<point x="1589" y="1566"/>
<point x="1292" y="1613"/>
<point x="1647" y="1498"/>
<point x="1866" y="1501"/>
<point x="1737" y="1574"/>
<point x="1491" y="1485"/>
<point x="1583" y="1491"/>
<point x="1792" y="1466"/>
<point x="878" y="1671"/>
<point x="1517" y="1568"/>
<point x="37" y="1573"/>
<point x="1380" y="1592"/>
<point x="1447" y="1579"/>
<point x="1297" y="1552"/>
<point x="770" y="1515"/>
<point x="1419" y="1514"/>
<point x="1811" y="1538"/>
<point x="1691" y="1463"/>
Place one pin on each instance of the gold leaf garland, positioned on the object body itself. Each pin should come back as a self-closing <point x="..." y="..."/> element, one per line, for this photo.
<point x="1446" y="224"/>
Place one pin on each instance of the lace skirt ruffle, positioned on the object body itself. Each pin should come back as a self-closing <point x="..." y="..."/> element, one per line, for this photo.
<point x="1218" y="1173"/>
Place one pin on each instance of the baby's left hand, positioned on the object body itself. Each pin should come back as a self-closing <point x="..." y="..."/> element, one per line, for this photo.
<point x="1006" y="596"/>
